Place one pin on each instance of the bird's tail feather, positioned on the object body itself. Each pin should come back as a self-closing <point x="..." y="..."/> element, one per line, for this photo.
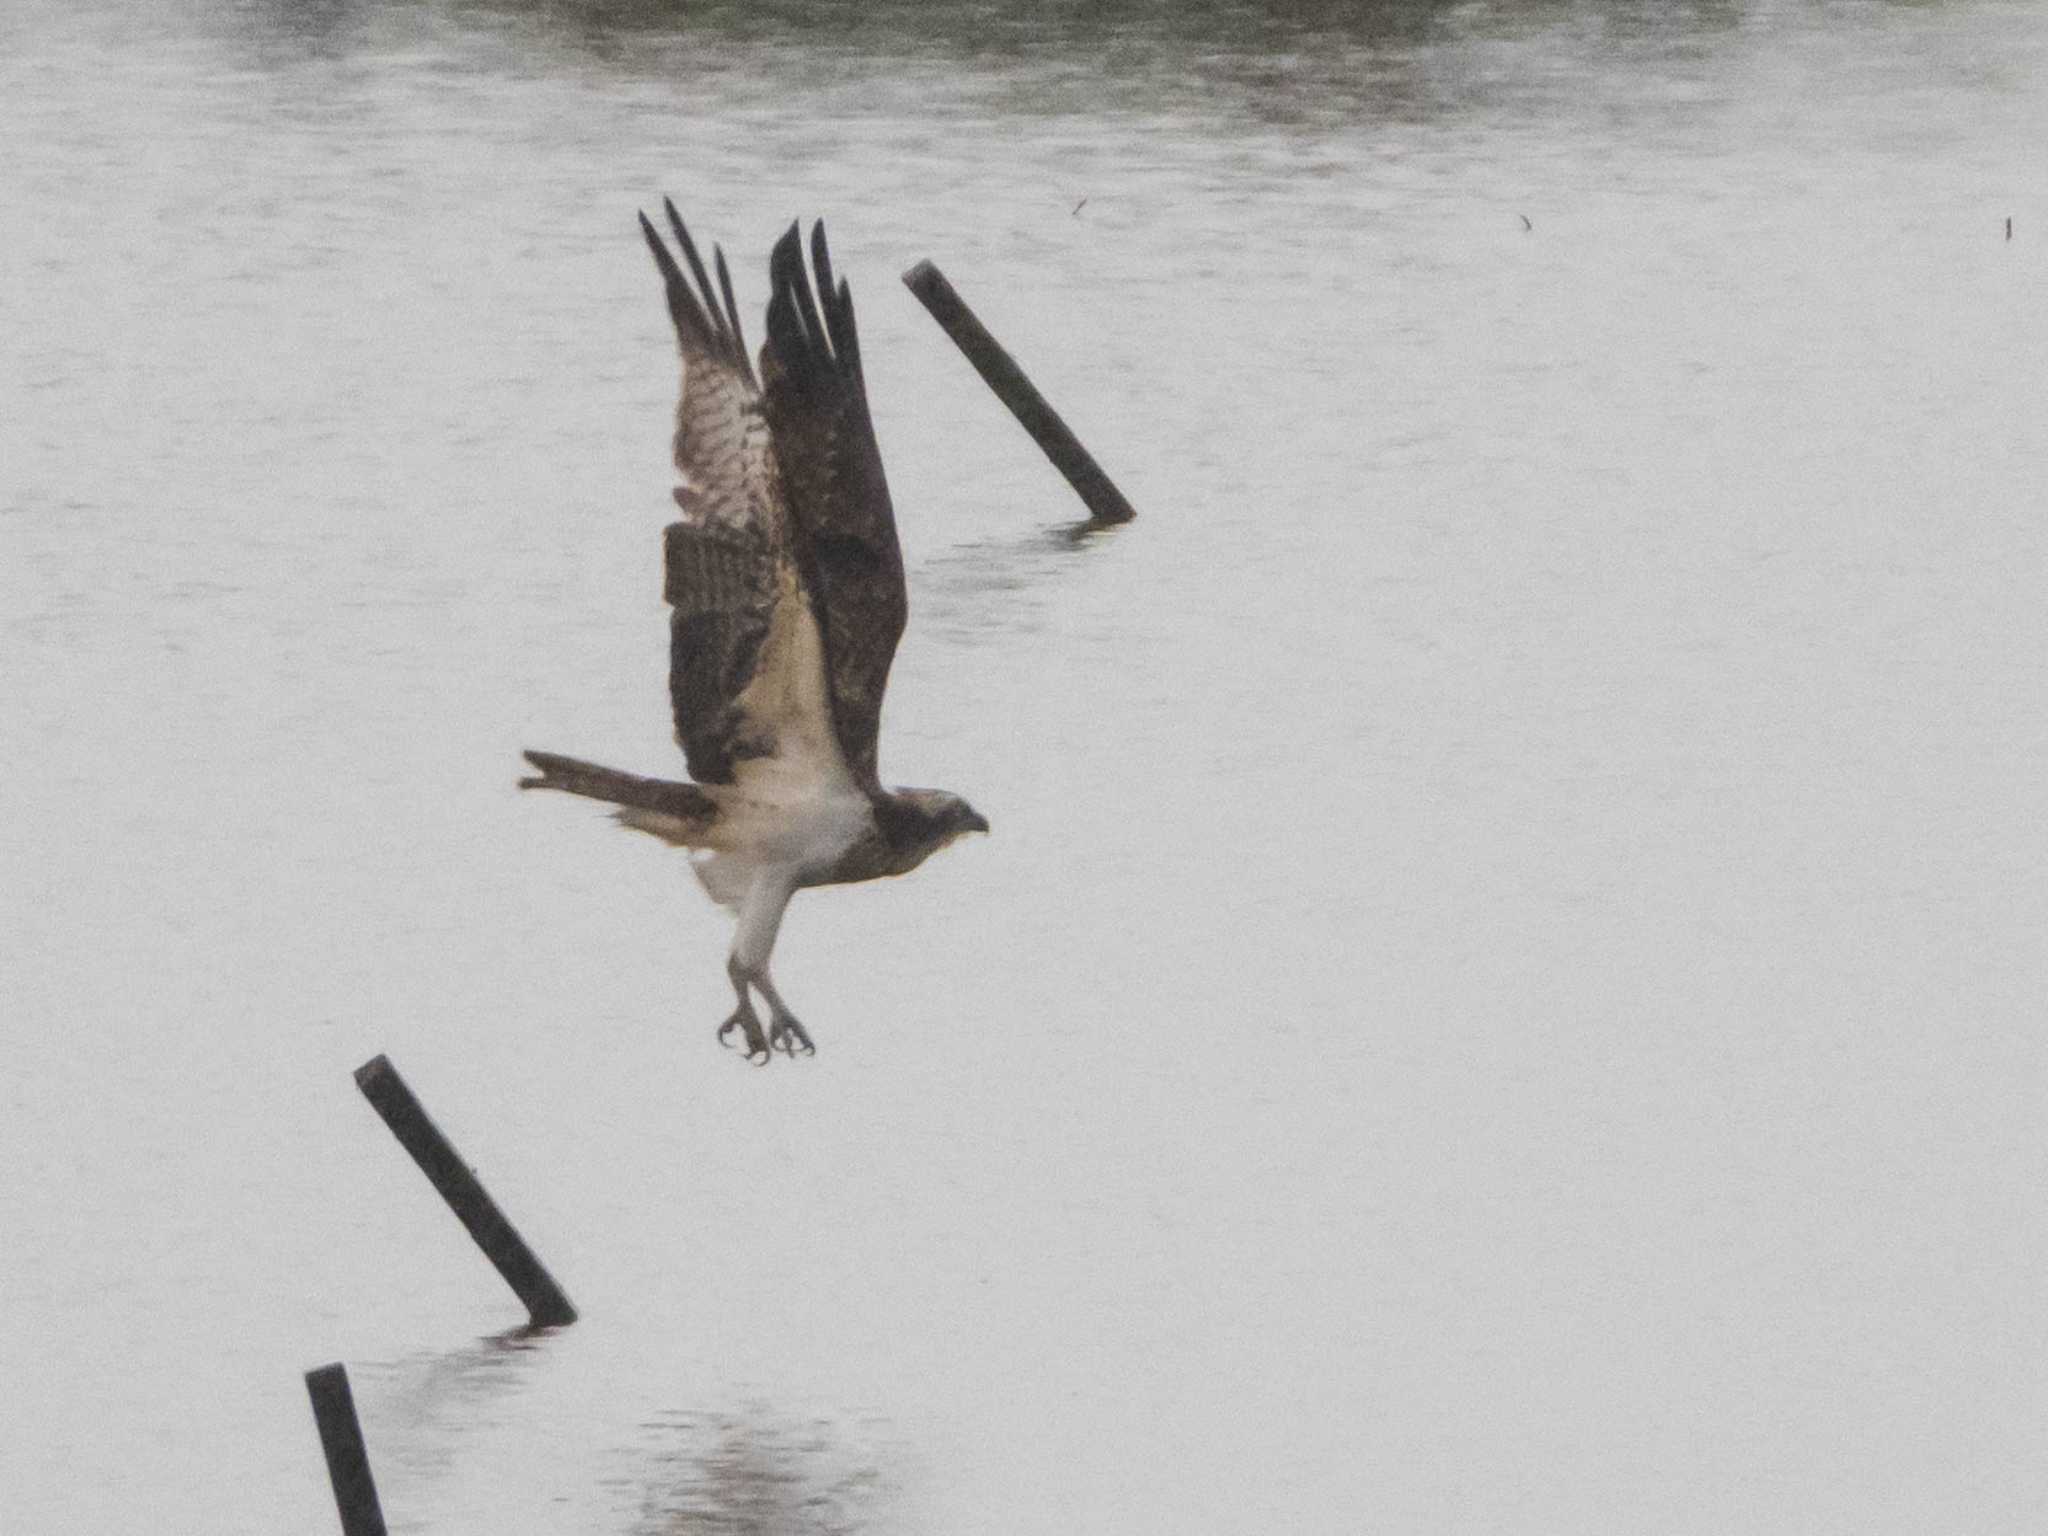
<point x="678" y="812"/>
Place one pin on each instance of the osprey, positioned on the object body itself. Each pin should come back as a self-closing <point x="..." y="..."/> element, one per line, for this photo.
<point x="787" y="585"/>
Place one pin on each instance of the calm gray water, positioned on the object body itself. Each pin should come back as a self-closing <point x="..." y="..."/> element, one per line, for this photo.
<point x="1506" y="990"/>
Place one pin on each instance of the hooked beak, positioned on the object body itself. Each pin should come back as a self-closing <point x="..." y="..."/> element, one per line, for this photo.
<point x="976" y="822"/>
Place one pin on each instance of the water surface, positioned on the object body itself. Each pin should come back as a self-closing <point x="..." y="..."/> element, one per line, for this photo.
<point x="1505" y="990"/>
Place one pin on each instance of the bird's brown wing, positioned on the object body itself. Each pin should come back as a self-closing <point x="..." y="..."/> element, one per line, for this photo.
<point x="844" y="529"/>
<point x="748" y="696"/>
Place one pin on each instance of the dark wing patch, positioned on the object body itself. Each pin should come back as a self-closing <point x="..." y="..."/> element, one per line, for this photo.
<point x="721" y="584"/>
<point x="838" y="498"/>
<point x="719" y="562"/>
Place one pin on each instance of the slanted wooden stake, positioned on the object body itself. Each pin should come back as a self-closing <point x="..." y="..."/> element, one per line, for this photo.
<point x="997" y="369"/>
<point x="348" y="1464"/>
<point x="450" y="1175"/>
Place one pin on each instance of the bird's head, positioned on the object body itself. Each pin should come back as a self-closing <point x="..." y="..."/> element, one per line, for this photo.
<point x="931" y="818"/>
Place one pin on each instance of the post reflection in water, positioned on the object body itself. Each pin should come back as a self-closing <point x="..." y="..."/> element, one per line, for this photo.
<point x="427" y="1403"/>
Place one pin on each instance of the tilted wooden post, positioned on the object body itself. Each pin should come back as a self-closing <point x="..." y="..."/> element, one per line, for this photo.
<point x="450" y="1175"/>
<point x="348" y="1464"/>
<point x="999" y="370"/>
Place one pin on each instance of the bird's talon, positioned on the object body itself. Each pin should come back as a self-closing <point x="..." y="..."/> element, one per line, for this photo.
<point x="744" y="1020"/>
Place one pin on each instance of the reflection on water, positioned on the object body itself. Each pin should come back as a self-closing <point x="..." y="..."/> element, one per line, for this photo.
<point x="1301" y="64"/>
<point x="975" y="586"/>
<point x="750" y="1475"/>
<point x="986" y="28"/>
<point x="702" y="1470"/>
<point x="427" y="1404"/>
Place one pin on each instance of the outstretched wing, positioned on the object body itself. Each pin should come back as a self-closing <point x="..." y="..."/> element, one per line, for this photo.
<point x="838" y="500"/>
<point x="745" y="677"/>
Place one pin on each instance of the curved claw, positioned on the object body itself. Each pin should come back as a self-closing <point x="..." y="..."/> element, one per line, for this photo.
<point x="787" y="1035"/>
<point x="743" y="1019"/>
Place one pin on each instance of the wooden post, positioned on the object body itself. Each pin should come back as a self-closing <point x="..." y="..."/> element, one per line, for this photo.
<point x="348" y="1464"/>
<point x="450" y="1175"/>
<point x="1001" y="373"/>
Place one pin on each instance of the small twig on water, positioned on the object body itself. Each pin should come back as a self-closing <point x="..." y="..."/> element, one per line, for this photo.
<point x="1084" y="203"/>
<point x="1526" y="225"/>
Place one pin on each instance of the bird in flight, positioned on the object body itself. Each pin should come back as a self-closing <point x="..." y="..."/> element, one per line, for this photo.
<point x="786" y="581"/>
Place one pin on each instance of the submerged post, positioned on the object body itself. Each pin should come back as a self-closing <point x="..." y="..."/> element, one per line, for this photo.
<point x="348" y="1464"/>
<point x="450" y="1175"/>
<point x="1001" y="373"/>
